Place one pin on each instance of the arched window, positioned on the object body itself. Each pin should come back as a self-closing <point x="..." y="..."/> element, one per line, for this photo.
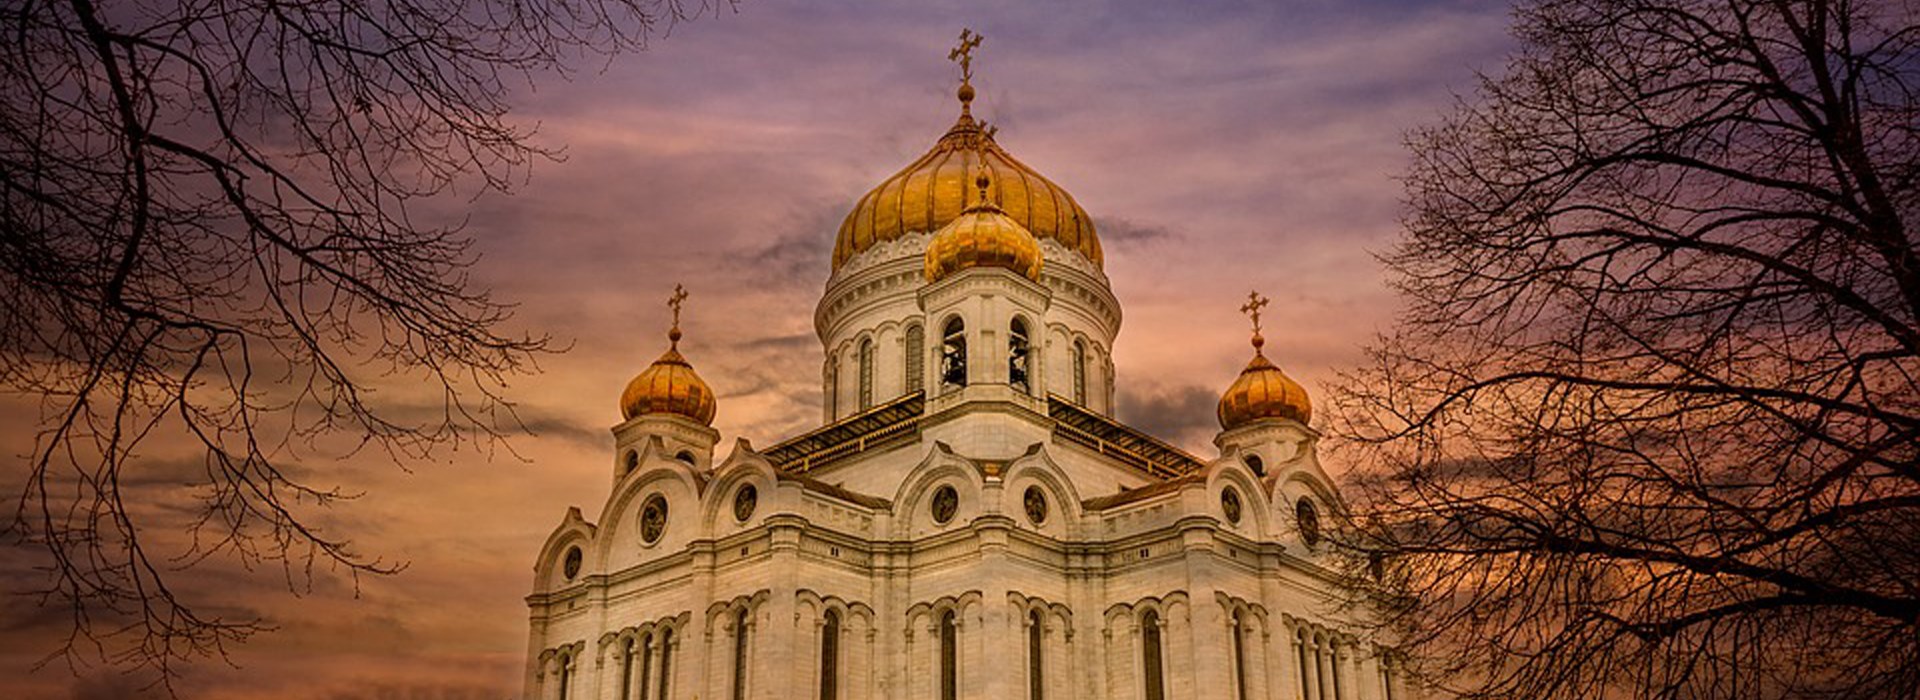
<point x="646" y="663"/>
<point x="626" y="670"/>
<point x="1080" y="372"/>
<point x="866" y="373"/>
<point x="1017" y="351"/>
<point x="1036" y="669"/>
<point x="1254" y="463"/>
<point x="1307" y="668"/>
<point x="949" y="657"/>
<point x="833" y="386"/>
<point x="566" y="675"/>
<point x="1333" y="662"/>
<point x="740" y="655"/>
<point x="1151" y="657"/>
<point x="666" y="662"/>
<point x="830" y="657"/>
<point x="1240" y="653"/>
<point x="916" y="358"/>
<point x="953" y="354"/>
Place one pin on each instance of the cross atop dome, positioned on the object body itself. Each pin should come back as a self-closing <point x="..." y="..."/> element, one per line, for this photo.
<point x="673" y="302"/>
<point x="670" y="385"/>
<point x="1252" y="309"/>
<point x="963" y="55"/>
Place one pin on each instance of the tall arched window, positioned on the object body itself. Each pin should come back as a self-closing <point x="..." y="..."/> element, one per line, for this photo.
<point x="1017" y="351"/>
<point x="1080" y="372"/>
<point x="1036" y="652"/>
<point x="666" y="661"/>
<point x="1333" y="661"/>
<point x="1307" y="671"/>
<point x="949" y="657"/>
<point x="740" y="655"/>
<point x="866" y="373"/>
<point x="916" y="358"/>
<point x="830" y="657"/>
<point x="626" y="670"/>
<point x="566" y="676"/>
<point x="953" y="354"/>
<point x="1240" y="653"/>
<point x="646" y="662"/>
<point x="832" y="373"/>
<point x="1151" y="657"/>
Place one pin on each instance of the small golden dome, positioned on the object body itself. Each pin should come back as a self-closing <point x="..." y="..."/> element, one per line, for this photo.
<point x="670" y="385"/>
<point x="1263" y="391"/>
<point x="934" y="190"/>
<point x="983" y="236"/>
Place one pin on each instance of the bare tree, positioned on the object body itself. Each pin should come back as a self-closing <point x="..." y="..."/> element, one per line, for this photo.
<point x="1648" y="427"/>
<point x="212" y="234"/>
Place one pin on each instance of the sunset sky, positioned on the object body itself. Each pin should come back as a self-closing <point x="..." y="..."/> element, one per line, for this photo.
<point x="1220" y="147"/>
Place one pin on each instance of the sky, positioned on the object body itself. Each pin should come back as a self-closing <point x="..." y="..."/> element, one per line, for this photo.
<point x="1219" y="146"/>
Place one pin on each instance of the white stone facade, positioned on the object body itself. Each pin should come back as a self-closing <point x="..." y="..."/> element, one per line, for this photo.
<point x="952" y="534"/>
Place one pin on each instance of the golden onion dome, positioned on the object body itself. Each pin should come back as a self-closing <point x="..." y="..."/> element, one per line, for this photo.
<point x="983" y="236"/>
<point x="933" y="191"/>
<point x="670" y="385"/>
<point x="1263" y="391"/>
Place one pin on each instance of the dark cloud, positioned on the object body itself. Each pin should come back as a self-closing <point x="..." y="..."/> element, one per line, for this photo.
<point x="1121" y="233"/>
<point x="542" y="424"/>
<point x="1182" y="415"/>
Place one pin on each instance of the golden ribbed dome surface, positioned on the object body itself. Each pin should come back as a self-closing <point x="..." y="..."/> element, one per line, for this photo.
<point x="669" y="385"/>
<point x="937" y="188"/>
<point x="1263" y="391"/>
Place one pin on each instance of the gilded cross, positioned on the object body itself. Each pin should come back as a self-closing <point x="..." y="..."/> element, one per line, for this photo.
<point x="1252" y="309"/>
<point x="679" y="295"/>
<point x="963" y="54"/>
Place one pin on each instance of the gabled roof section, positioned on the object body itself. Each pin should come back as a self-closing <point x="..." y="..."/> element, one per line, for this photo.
<point x="1131" y="447"/>
<point x="1142" y="493"/>
<point x="821" y="487"/>
<point x="884" y="425"/>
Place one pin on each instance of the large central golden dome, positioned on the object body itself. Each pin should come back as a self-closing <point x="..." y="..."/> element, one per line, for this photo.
<point x="935" y="189"/>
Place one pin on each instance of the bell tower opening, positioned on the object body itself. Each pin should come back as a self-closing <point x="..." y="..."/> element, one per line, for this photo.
<point x="953" y="355"/>
<point x="1017" y="357"/>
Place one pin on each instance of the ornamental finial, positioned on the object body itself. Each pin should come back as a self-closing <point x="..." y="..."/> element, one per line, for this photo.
<point x="963" y="55"/>
<point x="1252" y="310"/>
<point x="673" y="302"/>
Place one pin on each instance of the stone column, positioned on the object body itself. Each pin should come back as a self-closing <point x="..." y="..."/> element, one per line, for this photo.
<point x="1310" y="663"/>
<point x="772" y="656"/>
<point x="1324" y="661"/>
<point x="1343" y="671"/>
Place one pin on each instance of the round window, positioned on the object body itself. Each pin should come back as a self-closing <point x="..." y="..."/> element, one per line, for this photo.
<point x="744" y="502"/>
<point x="653" y="519"/>
<point x="571" y="566"/>
<point x="946" y="503"/>
<point x="1230" y="504"/>
<point x="1308" y="518"/>
<point x="1036" y="502"/>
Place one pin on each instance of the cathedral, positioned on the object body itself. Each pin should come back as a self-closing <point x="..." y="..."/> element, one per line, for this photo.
<point x="970" y="521"/>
